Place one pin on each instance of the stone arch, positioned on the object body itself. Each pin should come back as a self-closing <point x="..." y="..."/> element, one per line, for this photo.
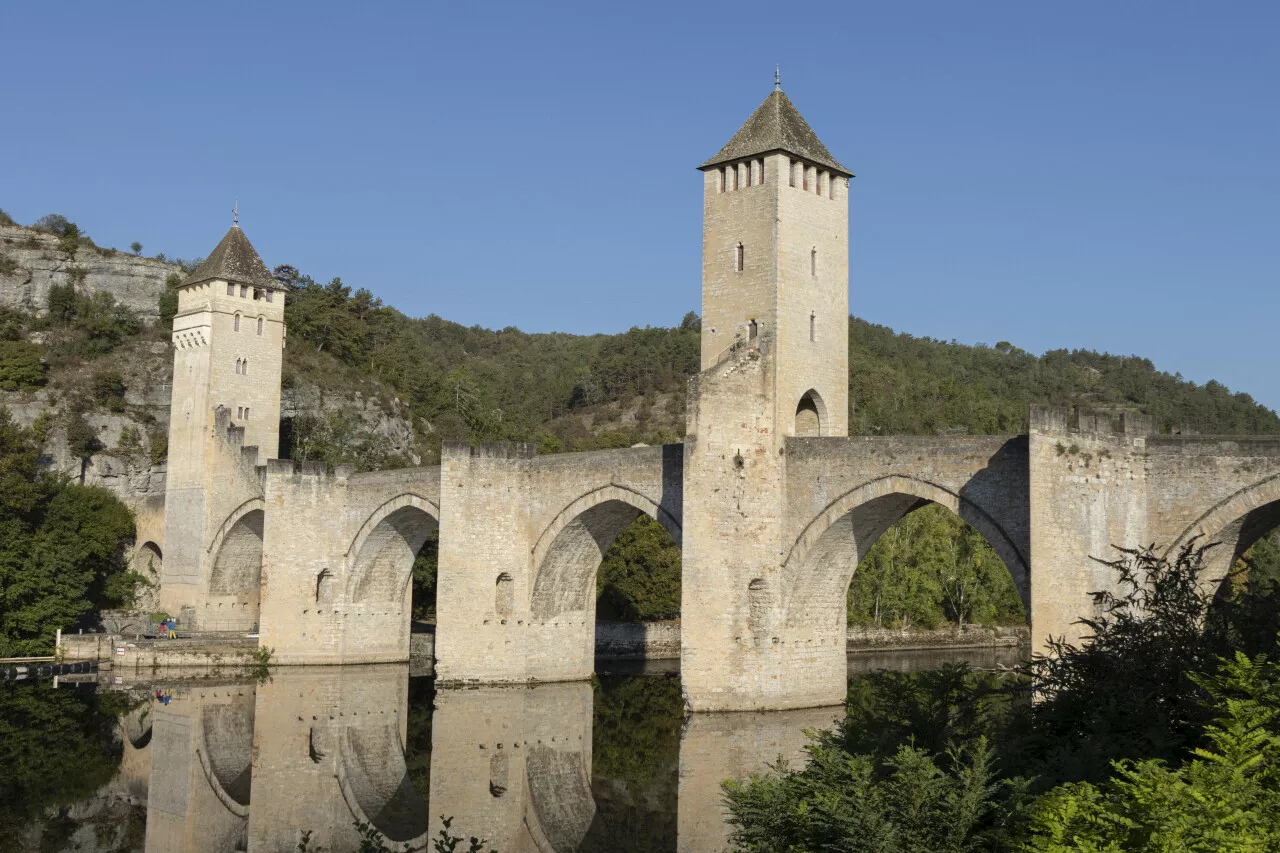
<point x="567" y="554"/>
<point x="237" y="550"/>
<point x="820" y="565"/>
<point x="225" y="752"/>
<point x="150" y="558"/>
<point x="1236" y="522"/>
<point x="380" y="559"/>
<point x="811" y="414"/>
<point x="375" y="783"/>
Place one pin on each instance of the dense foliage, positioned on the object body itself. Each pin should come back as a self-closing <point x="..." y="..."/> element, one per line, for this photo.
<point x="57" y="747"/>
<point x="932" y="568"/>
<point x="62" y="548"/>
<point x="1159" y="732"/>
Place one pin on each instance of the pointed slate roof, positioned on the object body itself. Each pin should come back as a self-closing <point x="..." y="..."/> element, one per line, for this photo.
<point x="777" y="125"/>
<point x="234" y="260"/>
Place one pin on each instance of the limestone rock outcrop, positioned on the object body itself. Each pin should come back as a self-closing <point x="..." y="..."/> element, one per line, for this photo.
<point x="32" y="261"/>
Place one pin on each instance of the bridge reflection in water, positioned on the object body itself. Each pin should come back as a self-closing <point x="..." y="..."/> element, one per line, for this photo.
<point x="250" y="767"/>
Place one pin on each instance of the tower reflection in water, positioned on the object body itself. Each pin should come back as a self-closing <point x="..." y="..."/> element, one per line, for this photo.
<point x="245" y="767"/>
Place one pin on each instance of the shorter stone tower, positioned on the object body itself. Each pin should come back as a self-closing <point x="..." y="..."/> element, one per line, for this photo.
<point x="224" y="421"/>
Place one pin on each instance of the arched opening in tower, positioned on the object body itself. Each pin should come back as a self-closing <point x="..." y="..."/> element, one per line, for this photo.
<point x="810" y="414"/>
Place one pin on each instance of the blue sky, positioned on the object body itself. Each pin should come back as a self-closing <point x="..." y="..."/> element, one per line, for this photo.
<point x="1100" y="175"/>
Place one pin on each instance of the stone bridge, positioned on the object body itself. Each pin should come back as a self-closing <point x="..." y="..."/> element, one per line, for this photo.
<point x="770" y="500"/>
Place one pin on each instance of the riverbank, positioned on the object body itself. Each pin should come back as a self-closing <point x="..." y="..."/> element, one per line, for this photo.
<point x="622" y="641"/>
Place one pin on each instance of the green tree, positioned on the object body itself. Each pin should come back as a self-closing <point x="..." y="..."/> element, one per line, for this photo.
<point x="135" y="247"/>
<point x="21" y="366"/>
<point x="639" y="578"/>
<point x="168" y="307"/>
<point x="76" y="550"/>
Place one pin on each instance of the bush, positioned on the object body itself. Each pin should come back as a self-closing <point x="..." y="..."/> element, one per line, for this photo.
<point x="135" y="247"/>
<point x="58" y="225"/>
<point x="158" y="445"/>
<point x="8" y="266"/>
<point x="108" y="390"/>
<point x="21" y="367"/>
<point x="168" y="308"/>
<point x="6" y="219"/>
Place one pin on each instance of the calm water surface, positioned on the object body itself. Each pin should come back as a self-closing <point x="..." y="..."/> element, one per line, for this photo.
<point x="230" y="765"/>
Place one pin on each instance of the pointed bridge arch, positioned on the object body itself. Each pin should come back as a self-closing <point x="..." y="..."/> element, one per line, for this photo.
<point x="567" y="554"/>
<point x="385" y="546"/>
<point x="1236" y="523"/>
<point x="820" y="564"/>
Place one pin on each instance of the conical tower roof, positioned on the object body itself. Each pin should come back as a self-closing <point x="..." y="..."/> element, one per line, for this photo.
<point x="777" y="125"/>
<point x="234" y="259"/>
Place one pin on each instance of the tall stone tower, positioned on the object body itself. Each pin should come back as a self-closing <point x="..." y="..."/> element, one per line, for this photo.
<point x="775" y="263"/>
<point x="775" y="332"/>
<point x="224" y="421"/>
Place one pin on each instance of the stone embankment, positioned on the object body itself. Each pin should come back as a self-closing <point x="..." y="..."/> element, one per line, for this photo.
<point x="614" y="641"/>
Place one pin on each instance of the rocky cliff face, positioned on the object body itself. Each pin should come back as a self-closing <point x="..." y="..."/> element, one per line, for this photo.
<point x="32" y="261"/>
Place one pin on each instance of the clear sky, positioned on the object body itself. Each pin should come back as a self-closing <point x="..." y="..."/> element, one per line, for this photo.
<point x="1090" y="174"/>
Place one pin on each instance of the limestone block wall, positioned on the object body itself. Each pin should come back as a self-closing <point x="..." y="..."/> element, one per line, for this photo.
<point x="1222" y="489"/>
<point x="813" y="296"/>
<point x="199" y="519"/>
<point x="522" y="537"/>
<point x="337" y="556"/>
<point x="732" y="524"/>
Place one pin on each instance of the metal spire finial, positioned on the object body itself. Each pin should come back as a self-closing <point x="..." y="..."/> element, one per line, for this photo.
<point x="777" y="77"/>
<point x="235" y="215"/>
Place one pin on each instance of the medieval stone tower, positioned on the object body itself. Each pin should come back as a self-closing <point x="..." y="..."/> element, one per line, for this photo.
<point x="775" y="264"/>
<point x="224" y="421"/>
<point x="775" y="330"/>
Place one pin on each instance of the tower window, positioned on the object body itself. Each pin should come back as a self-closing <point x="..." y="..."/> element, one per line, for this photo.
<point x="246" y="413"/>
<point x="236" y="326"/>
<point x="805" y="179"/>
<point x="791" y="173"/>
<point x="244" y="290"/>
<point x="813" y="265"/>
<point x="231" y="289"/>
<point x="238" y="365"/>
<point x="239" y="413"/>
<point x="813" y="322"/>
<point x="761" y="162"/>
<point x="739" y="258"/>
<point x="753" y="329"/>
<point x="260" y="324"/>
<point x="268" y="295"/>
<point x="244" y="367"/>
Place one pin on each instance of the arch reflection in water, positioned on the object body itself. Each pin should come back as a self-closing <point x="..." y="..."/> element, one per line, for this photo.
<point x="514" y="765"/>
<point x="316" y="749"/>
<point x="200" y="750"/>
<point x="329" y="751"/>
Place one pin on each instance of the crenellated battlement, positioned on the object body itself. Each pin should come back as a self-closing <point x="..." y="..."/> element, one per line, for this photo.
<point x="1100" y="420"/>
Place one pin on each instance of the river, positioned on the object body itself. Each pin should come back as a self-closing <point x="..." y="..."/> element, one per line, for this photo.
<point x="230" y="764"/>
